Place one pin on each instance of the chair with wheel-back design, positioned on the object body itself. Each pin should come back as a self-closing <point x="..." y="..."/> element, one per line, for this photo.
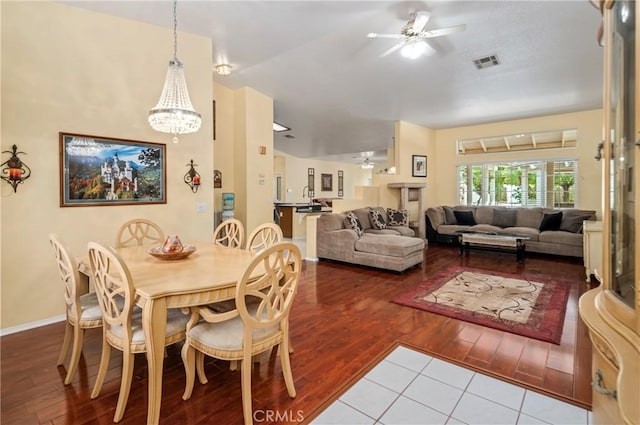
<point x="260" y="322"/>
<point x="82" y="311"/>
<point x="264" y="236"/>
<point x="122" y="328"/>
<point x="229" y="233"/>
<point x="139" y="231"/>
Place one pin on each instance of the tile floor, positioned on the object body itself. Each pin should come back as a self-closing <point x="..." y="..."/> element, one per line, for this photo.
<point x="409" y="387"/>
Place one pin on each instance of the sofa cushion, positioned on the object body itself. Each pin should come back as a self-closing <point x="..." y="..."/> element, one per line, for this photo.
<point x="503" y="217"/>
<point x="573" y="223"/>
<point x="398" y="217"/>
<point x="485" y="228"/>
<point x="353" y="222"/>
<point x="451" y="229"/>
<point x="387" y="231"/>
<point x="363" y="216"/>
<point x="402" y="230"/>
<point x="551" y="221"/>
<point x="531" y="233"/>
<point x="561" y="237"/>
<point x="449" y="216"/>
<point x="378" y="219"/>
<point x="394" y="246"/>
<point x="465" y="218"/>
<point x="528" y="217"/>
<point x="484" y="215"/>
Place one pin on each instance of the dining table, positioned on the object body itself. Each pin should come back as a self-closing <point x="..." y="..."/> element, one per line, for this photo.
<point x="209" y="274"/>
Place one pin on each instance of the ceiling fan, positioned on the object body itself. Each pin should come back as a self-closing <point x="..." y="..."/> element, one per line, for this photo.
<point x="413" y="36"/>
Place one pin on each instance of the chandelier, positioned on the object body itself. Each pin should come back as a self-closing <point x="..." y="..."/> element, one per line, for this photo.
<point x="174" y="113"/>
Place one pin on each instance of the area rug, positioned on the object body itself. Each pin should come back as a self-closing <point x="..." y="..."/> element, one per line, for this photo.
<point x="532" y="306"/>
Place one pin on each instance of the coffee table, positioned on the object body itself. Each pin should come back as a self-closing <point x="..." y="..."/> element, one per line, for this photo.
<point x="492" y="242"/>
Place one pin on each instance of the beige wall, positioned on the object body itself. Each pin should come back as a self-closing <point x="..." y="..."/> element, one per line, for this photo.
<point x="223" y="145"/>
<point x="68" y="69"/>
<point x="443" y="189"/>
<point x="253" y="172"/>
<point x="295" y="177"/>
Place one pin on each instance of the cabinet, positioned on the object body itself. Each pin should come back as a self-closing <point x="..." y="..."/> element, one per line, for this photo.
<point x="611" y="311"/>
<point x="592" y="247"/>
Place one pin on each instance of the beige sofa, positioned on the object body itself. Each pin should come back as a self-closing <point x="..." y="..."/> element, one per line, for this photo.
<point x="393" y="248"/>
<point x="442" y="225"/>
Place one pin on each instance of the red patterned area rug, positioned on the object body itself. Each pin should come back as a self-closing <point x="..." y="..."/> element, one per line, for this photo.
<point x="532" y="306"/>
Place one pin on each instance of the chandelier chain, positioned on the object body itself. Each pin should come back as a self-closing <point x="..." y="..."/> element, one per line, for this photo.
<point x="175" y="29"/>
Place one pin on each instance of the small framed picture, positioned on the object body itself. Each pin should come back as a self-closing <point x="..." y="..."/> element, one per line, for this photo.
<point x="419" y="167"/>
<point x="327" y="183"/>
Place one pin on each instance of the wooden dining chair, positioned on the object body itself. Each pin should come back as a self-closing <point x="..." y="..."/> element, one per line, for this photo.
<point x="252" y="328"/>
<point x="122" y="328"/>
<point x="263" y="237"/>
<point x="229" y="233"/>
<point x="82" y="311"/>
<point x="139" y="231"/>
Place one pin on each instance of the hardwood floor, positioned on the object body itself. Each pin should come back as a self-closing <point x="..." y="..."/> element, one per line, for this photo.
<point x="341" y="321"/>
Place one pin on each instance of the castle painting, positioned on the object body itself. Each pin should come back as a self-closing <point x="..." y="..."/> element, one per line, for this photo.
<point x="101" y="171"/>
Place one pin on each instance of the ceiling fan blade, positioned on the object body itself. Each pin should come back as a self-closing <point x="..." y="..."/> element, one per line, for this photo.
<point x="442" y="31"/>
<point x="393" y="49"/>
<point x="378" y="35"/>
<point x="419" y="22"/>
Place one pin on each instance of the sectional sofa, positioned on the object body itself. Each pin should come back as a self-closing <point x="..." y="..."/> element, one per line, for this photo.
<point x="393" y="247"/>
<point x="550" y="231"/>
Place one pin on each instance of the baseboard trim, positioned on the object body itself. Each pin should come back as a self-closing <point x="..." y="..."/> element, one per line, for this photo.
<point x="32" y="325"/>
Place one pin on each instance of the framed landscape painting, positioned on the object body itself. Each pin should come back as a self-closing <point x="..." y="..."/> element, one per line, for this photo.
<point x="108" y="171"/>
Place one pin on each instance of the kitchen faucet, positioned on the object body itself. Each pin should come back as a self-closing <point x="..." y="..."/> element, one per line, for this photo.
<point x="303" y="189"/>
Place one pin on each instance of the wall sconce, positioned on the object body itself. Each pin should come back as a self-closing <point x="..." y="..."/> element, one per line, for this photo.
<point x="16" y="170"/>
<point x="192" y="178"/>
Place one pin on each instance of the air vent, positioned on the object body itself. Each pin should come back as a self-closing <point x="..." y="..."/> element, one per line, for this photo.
<point x="486" y="62"/>
<point x="289" y="136"/>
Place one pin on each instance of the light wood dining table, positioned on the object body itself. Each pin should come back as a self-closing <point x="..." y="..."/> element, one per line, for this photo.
<point x="210" y="274"/>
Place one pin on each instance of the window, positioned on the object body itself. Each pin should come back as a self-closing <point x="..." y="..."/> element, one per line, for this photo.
<point x="519" y="183"/>
<point x="557" y="139"/>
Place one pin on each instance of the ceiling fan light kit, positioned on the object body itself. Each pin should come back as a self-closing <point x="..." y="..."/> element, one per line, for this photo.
<point x="414" y="49"/>
<point x="413" y="36"/>
<point x="223" y="69"/>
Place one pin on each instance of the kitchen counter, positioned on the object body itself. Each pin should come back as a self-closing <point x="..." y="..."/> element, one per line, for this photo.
<point x="292" y="217"/>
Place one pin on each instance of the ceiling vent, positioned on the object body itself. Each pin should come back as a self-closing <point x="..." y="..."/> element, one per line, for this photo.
<point x="486" y="62"/>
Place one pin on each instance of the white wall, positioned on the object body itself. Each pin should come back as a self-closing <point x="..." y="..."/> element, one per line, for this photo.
<point x="68" y="69"/>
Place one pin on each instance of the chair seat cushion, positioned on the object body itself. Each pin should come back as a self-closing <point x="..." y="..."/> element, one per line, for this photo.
<point x="176" y="323"/>
<point x="227" y="335"/>
<point x="89" y="307"/>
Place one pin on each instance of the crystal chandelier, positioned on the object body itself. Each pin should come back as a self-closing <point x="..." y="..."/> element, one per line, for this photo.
<point x="174" y="113"/>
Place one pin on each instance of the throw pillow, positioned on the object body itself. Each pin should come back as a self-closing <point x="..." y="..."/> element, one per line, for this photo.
<point x="352" y="221"/>
<point x="551" y="221"/>
<point x="449" y="216"/>
<point x="377" y="219"/>
<point x="573" y="223"/>
<point x="398" y="217"/>
<point x="504" y="217"/>
<point x="465" y="218"/>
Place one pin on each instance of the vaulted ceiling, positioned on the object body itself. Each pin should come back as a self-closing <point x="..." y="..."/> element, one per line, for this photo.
<point x="340" y="97"/>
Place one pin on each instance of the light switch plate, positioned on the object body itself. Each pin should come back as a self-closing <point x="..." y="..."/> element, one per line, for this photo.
<point x="201" y="207"/>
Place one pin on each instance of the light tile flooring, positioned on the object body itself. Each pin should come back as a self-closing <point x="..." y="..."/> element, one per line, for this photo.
<point x="409" y="387"/>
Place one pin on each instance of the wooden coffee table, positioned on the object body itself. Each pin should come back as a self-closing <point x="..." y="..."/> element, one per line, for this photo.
<point x="492" y="242"/>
